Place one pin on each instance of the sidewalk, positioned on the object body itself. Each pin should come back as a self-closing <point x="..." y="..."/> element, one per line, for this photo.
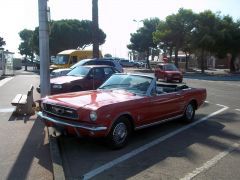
<point x="24" y="150"/>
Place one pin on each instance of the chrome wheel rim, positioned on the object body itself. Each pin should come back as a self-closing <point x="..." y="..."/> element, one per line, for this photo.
<point x="189" y="111"/>
<point x="120" y="133"/>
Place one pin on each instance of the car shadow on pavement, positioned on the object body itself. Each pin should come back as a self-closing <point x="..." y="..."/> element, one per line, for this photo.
<point x="34" y="150"/>
<point x="178" y="146"/>
<point x="78" y="154"/>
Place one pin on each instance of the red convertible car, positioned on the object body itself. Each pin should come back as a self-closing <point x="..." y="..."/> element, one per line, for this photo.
<point x="122" y="104"/>
<point x="168" y="72"/>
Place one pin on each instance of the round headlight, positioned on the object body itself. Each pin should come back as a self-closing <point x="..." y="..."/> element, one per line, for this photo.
<point x="93" y="115"/>
<point x="57" y="86"/>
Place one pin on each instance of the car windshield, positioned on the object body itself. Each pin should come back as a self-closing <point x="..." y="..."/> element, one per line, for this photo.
<point x="79" y="71"/>
<point x="61" y="59"/>
<point x="136" y="84"/>
<point x="170" y="67"/>
<point x="80" y="63"/>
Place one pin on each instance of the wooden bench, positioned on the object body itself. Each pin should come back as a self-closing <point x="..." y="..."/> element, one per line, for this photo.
<point x="24" y="102"/>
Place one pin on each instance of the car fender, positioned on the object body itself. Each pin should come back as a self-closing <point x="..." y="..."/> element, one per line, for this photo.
<point x="128" y="114"/>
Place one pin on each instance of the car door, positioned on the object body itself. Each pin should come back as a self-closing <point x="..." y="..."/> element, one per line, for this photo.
<point x="98" y="77"/>
<point x="163" y="106"/>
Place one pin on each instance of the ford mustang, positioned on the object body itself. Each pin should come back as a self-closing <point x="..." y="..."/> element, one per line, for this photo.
<point x="122" y="104"/>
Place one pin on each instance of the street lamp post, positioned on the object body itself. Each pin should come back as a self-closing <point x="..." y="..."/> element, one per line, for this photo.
<point x="44" y="48"/>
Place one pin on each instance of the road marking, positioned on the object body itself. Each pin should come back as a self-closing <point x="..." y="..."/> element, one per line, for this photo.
<point x="237" y="109"/>
<point x="6" y="110"/>
<point x="147" y="146"/>
<point x="210" y="163"/>
<point x="206" y="101"/>
<point x="5" y="80"/>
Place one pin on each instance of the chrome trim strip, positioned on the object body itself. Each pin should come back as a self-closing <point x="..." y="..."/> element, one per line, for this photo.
<point x="158" y="122"/>
<point x="72" y="124"/>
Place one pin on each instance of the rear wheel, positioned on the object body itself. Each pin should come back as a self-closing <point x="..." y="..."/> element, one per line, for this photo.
<point x="118" y="136"/>
<point x="189" y="113"/>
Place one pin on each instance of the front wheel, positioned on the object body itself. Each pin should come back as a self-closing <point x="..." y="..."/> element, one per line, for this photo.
<point x="189" y="113"/>
<point x="118" y="136"/>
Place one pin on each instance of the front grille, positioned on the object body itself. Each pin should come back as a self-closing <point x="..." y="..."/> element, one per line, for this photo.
<point x="60" y="111"/>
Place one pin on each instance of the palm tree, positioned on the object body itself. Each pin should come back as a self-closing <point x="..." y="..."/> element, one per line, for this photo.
<point x="95" y="28"/>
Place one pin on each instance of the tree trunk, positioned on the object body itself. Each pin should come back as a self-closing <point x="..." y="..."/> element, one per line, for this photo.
<point x="95" y="28"/>
<point x="148" y="63"/>
<point x="176" y="56"/>
<point x="170" y="54"/>
<point x="231" y="63"/>
<point x="202" y="61"/>
<point x="186" y="61"/>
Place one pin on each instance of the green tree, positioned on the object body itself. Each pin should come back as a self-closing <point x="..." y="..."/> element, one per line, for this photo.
<point x="205" y="35"/>
<point x="172" y="33"/>
<point x="26" y="46"/>
<point x="95" y="29"/>
<point x="228" y="39"/>
<point x="142" y="40"/>
<point x="2" y="42"/>
<point x="69" y="34"/>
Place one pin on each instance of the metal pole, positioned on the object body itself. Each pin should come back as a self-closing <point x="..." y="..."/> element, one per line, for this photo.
<point x="44" y="48"/>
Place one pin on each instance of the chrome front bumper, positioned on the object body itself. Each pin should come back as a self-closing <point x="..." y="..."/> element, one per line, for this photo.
<point x="71" y="124"/>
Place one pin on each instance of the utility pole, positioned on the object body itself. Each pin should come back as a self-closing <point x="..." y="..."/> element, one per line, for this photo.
<point x="44" y="48"/>
<point x="95" y="35"/>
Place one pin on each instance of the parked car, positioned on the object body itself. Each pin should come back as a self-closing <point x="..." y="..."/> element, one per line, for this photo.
<point x="126" y="63"/>
<point x="103" y="61"/>
<point x="168" y="72"/>
<point x="81" y="78"/>
<point x="123" y="103"/>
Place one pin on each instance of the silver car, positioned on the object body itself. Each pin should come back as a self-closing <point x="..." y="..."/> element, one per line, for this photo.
<point x="84" y="62"/>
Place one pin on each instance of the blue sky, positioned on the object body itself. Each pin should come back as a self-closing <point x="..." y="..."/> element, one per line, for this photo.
<point x="115" y="16"/>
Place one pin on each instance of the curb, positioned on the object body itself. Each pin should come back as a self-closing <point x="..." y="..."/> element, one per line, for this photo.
<point x="58" y="172"/>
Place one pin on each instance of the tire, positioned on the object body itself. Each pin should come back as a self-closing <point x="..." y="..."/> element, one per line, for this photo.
<point x="119" y="134"/>
<point x="180" y="80"/>
<point x="189" y="113"/>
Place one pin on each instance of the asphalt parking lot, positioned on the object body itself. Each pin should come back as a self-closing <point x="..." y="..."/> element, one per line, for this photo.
<point x="208" y="148"/>
<point x="203" y="149"/>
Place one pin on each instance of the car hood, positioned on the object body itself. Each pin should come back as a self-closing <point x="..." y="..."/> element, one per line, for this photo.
<point x="65" y="79"/>
<point x="93" y="99"/>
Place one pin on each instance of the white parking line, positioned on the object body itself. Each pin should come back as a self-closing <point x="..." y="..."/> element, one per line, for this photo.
<point x="3" y="81"/>
<point x="210" y="163"/>
<point x="237" y="109"/>
<point x="147" y="146"/>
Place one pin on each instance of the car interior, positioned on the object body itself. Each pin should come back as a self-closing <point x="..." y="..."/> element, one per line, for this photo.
<point x="169" y="88"/>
